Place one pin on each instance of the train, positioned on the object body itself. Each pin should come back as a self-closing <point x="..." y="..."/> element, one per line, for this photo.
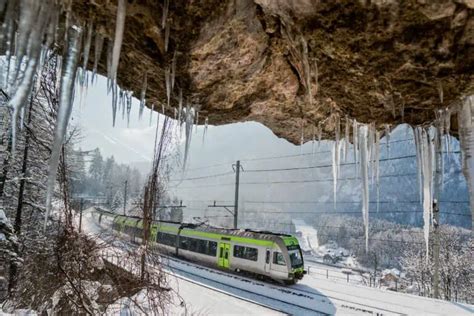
<point x="260" y="254"/>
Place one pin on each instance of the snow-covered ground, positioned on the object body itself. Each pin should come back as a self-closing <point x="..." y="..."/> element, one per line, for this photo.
<point x="211" y="291"/>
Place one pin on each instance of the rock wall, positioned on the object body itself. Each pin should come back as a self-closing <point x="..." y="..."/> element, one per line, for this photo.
<point x="294" y="64"/>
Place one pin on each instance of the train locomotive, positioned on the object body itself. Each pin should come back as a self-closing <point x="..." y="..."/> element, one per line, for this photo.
<point x="260" y="254"/>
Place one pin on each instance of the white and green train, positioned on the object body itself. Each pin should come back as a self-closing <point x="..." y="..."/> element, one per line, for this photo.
<point x="262" y="254"/>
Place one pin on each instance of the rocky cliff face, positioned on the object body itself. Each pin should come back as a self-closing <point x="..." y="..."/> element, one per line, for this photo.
<point x="294" y="64"/>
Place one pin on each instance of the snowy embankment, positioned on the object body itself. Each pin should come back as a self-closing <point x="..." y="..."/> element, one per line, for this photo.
<point x="313" y="295"/>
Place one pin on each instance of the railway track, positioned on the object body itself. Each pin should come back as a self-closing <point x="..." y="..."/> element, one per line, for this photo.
<point x="291" y="291"/>
<point x="290" y="308"/>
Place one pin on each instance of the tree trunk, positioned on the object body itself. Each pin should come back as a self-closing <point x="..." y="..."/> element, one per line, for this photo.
<point x="13" y="271"/>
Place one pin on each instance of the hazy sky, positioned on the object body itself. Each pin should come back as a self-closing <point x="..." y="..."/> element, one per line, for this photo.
<point x="133" y="144"/>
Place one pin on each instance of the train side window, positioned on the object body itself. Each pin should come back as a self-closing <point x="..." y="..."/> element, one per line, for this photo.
<point x="267" y="257"/>
<point x="278" y="258"/>
<point x="212" y="250"/>
<point x="246" y="253"/>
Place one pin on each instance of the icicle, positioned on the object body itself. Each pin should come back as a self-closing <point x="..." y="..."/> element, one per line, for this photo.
<point x="206" y="122"/>
<point x="168" y="85"/>
<point x="122" y="101"/>
<point x="142" y="96"/>
<point x="188" y="131"/>
<point x="165" y="14"/>
<point x="387" y="139"/>
<point x="175" y="114"/>
<point x="180" y="106"/>
<point x="151" y="112"/>
<point x="119" y="26"/>
<point x="197" y="122"/>
<point x="173" y="70"/>
<point x="33" y="48"/>
<point x="447" y="128"/>
<point x="371" y="152"/>
<point x="417" y="138"/>
<point x="29" y="12"/>
<point x="377" y="166"/>
<point x="355" y="135"/>
<point x="466" y="137"/>
<point x="114" y="102"/>
<point x="427" y="172"/>
<point x="129" y="106"/>
<point x="364" y="162"/>
<point x="167" y="36"/>
<point x="163" y="108"/>
<point x="109" y="66"/>
<point x="347" y="138"/>
<point x="335" y="157"/>
<point x="64" y="112"/>
<point x="98" y="44"/>
<point x="312" y="142"/>
<point x="87" y="47"/>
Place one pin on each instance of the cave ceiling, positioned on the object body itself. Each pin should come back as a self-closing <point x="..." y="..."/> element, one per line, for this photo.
<point x="299" y="63"/>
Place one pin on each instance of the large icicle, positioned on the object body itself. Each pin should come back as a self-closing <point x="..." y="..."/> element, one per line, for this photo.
<point x="376" y="166"/>
<point x="68" y="75"/>
<point x="86" y="50"/>
<point x="142" y="96"/>
<point x="33" y="51"/>
<point x="418" y="146"/>
<point x="427" y="168"/>
<point x="167" y="36"/>
<point x="364" y="168"/>
<point x="335" y="157"/>
<point x="98" y="45"/>
<point x="355" y="135"/>
<point x="466" y="136"/>
<point x="165" y="14"/>
<point x="188" y="131"/>
<point x="119" y="26"/>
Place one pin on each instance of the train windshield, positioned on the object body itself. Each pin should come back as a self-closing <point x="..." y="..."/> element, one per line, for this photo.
<point x="296" y="258"/>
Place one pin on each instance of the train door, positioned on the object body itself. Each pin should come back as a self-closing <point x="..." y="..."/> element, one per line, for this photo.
<point x="267" y="260"/>
<point x="224" y="254"/>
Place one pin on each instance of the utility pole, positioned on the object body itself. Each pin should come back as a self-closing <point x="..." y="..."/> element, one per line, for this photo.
<point x="125" y="198"/>
<point x="235" y="213"/>
<point x="436" y="248"/>
<point x="236" y="200"/>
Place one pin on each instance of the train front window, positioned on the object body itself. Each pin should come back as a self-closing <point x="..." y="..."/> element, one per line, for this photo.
<point x="295" y="258"/>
